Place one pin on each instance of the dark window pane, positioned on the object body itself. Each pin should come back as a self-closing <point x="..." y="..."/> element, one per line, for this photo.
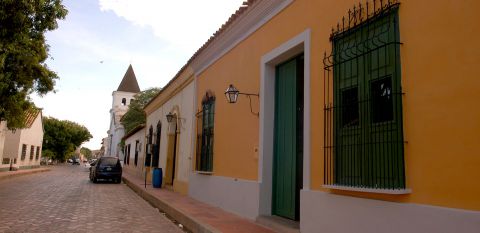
<point x="382" y="100"/>
<point x="108" y="161"/>
<point x="350" y="115"/>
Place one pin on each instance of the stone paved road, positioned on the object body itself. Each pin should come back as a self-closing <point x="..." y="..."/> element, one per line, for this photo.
<point x="64" y="200"/>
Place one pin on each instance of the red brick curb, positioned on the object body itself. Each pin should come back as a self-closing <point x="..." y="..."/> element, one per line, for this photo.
<point x="10" y="174"/>
<point x="189" y="222"/>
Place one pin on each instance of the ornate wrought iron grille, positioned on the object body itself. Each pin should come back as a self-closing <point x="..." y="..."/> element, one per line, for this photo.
<point x="363" y="134"/>
<point x="205" y="124"/>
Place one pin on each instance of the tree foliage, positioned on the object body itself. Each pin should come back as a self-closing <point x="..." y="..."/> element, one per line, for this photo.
<point x="23" y="52"/>
<point x="87" y="152"/>
<point x="63" y="137"/>
<point x="135" y="115"/>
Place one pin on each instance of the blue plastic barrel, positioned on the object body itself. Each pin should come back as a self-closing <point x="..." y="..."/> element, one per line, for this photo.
<point x="157" y="177"/>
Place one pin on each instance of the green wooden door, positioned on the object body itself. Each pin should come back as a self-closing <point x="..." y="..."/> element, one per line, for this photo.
<point x="287" y="139"/>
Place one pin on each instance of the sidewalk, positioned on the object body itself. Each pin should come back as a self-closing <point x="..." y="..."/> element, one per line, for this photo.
<point x="10" y="174"/>
<point x="194" y="215"/>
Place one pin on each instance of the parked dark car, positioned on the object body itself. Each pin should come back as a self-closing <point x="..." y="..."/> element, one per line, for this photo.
<point x="108" y="168"/>
<point x="76" y="161"/>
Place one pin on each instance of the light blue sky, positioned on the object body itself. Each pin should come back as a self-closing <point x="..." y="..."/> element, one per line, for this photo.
<point x="94" y="45"/>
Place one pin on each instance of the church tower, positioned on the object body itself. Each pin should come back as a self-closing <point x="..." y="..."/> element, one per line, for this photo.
<point x="122" y="97"/>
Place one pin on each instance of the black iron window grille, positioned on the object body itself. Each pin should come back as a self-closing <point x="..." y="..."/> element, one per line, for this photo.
<point x="156" y="146"/>
<point x="24" y="152"/>
<point x="127" y="154"/>
<point x="32" y="150"/>
<point x="137" y="147"/>
<point x="205" y="125"/>
<point x="37" y="154"/>
<point x="363" y="134"/>
<point x="149" y="150"/>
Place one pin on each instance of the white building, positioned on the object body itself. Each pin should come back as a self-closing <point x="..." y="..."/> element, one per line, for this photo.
<point x="122" y="97"/>
<point x="3" y="131"/>
<point x="23" y="147"/>
<point x="134" y="151"/>
<point x="172" y="143"/>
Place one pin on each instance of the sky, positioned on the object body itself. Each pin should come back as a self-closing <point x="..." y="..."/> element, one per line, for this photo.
<point x="93" y="47"/>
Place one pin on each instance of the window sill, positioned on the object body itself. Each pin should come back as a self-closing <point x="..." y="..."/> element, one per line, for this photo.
<point x="204" y="173"/>
<point x="369" y="190"/>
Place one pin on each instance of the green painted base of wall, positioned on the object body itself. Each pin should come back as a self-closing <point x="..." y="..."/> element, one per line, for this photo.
<point x="4" y="169"/>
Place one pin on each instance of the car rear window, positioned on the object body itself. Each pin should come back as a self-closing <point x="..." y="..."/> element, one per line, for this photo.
<point x="108" y="161"/>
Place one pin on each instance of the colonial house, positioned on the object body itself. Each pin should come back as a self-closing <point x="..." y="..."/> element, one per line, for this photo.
<point x="120" y="101"/>
<point x="22" y="147"/>
<point x="340" y="116"/>
<point x="334" y="116"/>
<point x="170" y="131"/>
<point x="134" y="151"/>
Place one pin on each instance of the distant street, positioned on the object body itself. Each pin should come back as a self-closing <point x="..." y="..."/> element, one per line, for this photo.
<point x="64" y="200"/>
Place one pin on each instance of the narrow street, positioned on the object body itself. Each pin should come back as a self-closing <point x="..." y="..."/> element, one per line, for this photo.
<point x="64" y="200"/>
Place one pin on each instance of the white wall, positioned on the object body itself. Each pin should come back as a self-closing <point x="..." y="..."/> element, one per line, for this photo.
<point x="140" y="136"/>
<point x="116" y="128"/>
<point x="117" y="99"/>
<point x="32" y="136"/>
<point x="3" y="132"/>
<point x="234" y="195"/>
<point x="11" y="145"/>
<point x="324" y="212"/>
<point x="183" y="103"/>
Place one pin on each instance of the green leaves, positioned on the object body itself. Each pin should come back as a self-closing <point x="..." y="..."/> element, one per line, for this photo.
<point x="135" y="115"/>
<point x="87" y="152"/>
<point x="62" y="137"/>
<point x="23" y="52"/>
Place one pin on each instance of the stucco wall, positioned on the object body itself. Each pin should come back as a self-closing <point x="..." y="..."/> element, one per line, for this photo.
<point x="438" y="60"/>
<point x="32" y="136"/>
<point x="182" y="104"/>
<point x="3" y="131"/>
<point x="116" y="128"/>
<point x="140" y="136"/>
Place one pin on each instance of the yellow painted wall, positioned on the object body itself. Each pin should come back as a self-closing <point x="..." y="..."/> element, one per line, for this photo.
<point x="439" y="60"/>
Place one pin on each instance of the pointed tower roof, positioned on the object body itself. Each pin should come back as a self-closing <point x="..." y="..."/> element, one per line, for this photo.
<point x="129" y="82"/>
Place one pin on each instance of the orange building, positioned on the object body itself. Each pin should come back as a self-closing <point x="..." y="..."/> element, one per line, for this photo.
<point x="365" y="119"/>
<point x="342" y="116"/>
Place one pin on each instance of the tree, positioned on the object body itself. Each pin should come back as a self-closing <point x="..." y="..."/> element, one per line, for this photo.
<point x="63" y="137"/>
<point x="135" y="115"/>
<point x="23" y="52"/>
<point x="87" y="152"/>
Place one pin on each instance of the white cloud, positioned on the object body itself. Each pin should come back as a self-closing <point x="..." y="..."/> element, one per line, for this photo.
<point x="186" y="24"/>
<point x="179" y="27"/>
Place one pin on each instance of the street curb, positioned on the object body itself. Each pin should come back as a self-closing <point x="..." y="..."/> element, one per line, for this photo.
<point x="189" y="222"/>
<point x="22" y="173"/>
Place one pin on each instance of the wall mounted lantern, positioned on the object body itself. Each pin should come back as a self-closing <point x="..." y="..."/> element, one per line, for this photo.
<point x="171" y="117"/>
<point x="232" y="96"/>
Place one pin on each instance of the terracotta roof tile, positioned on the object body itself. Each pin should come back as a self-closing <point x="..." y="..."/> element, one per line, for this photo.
<point x="30" y="116"/>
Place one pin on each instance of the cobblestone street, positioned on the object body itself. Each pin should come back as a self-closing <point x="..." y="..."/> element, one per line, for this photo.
<point x="64" y="200"/>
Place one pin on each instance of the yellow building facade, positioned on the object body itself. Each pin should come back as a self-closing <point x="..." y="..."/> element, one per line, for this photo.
<point x="385" y="124"/>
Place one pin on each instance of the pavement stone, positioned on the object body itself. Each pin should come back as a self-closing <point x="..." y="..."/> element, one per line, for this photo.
<point x="64" y="200"/>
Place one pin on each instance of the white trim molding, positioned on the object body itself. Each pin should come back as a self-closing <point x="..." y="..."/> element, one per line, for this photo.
<point x="325" y="212"/>
<point x="369" y="190"/>
<point x="247" y="23"/>
<point x="297" y="45"/>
